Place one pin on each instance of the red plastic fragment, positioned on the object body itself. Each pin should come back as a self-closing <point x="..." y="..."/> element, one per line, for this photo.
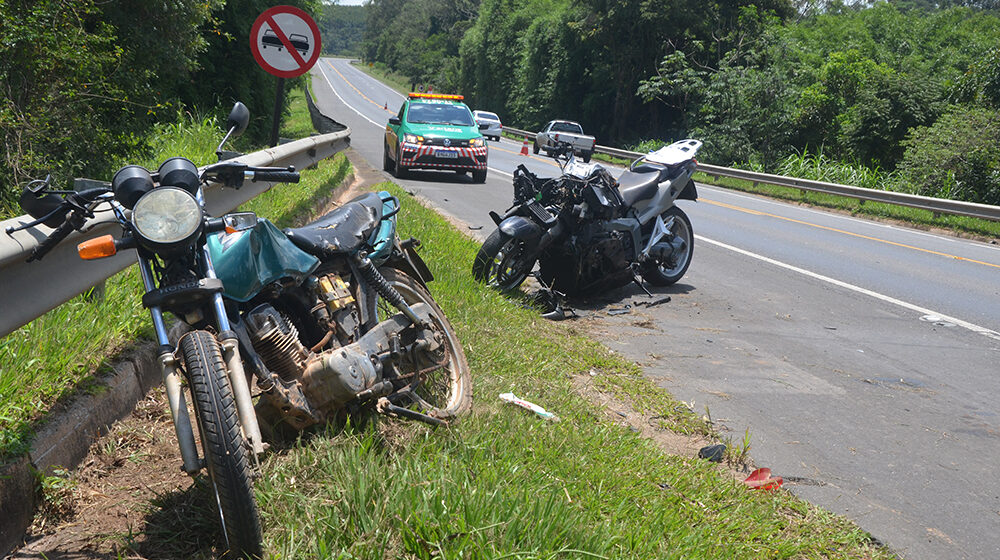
<point x="761" y="479"/>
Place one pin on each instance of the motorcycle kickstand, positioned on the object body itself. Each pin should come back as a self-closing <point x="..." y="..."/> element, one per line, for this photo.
<point x="638" y="282"/>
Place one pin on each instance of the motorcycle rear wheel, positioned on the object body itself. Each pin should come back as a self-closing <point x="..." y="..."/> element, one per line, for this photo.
<point x="226" y="452"/>
<point x="446" y="392"/>
<point x="499" y="262"/>
<point x="659" y="273"/>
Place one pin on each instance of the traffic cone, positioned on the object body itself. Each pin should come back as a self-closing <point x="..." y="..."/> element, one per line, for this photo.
<point x="524" y="147"/>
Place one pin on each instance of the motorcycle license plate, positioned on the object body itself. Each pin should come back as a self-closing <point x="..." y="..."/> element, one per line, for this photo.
<point x="446" y="154"/>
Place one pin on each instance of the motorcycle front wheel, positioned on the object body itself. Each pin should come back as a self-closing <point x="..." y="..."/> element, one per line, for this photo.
<point x="226" y="453"/>
<point x="669" y="271"/>
<point x="501" y="261"/>
<point x="442" y="392"/>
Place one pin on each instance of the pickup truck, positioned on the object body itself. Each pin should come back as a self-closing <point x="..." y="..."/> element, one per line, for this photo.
<point x="565" y="131"/>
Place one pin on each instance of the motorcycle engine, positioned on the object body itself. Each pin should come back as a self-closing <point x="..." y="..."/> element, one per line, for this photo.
<point x="277" y="342"/>
<point x="591" y="261"/>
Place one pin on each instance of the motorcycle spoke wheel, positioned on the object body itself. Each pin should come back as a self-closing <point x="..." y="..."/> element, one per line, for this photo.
<point x="667" y="272"/>
<point x="443" y="384"/>
<point x="225" y="450"/>
<point x="501" y="263"/>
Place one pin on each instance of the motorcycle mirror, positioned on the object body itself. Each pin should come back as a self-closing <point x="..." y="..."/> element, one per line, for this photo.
<point x="239" y="221"/>
<point x="236" y="123"/>
<point x="238" y="119"/>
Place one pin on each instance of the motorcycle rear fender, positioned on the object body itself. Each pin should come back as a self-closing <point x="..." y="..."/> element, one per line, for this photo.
<point x="521" y="228"/>
<point x="690" y="192"/>
<point x="409" y="261"/>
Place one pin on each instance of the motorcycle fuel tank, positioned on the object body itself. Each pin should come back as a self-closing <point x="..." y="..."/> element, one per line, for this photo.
<point x="246" y="261"/>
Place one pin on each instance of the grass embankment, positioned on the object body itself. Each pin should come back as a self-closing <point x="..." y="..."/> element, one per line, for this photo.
<point x="55" y="355"/>
<point x="506" y="484"/>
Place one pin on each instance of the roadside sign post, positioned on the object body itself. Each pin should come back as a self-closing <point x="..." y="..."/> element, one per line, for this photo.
<point x="285" y="42"/>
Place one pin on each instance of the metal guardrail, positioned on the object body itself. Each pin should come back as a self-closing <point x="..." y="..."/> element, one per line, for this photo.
<point x="936" y="205"/>
<point x="32" y="289"/>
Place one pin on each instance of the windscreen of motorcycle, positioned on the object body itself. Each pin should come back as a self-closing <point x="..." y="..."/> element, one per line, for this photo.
<point x="246" y="261"/>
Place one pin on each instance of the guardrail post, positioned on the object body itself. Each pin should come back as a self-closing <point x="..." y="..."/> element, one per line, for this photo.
<point x="96" y="294"/>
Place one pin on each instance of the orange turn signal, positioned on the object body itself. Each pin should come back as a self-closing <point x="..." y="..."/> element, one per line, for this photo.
<point x="97" y="248"/>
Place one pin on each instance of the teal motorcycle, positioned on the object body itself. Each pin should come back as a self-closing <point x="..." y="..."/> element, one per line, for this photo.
<point x="327" y="320"/>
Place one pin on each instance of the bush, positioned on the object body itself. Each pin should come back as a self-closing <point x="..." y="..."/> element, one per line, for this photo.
<point x="957" y="157"/>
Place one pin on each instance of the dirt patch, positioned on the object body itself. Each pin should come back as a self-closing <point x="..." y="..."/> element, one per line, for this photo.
<point x="129" y="498"/>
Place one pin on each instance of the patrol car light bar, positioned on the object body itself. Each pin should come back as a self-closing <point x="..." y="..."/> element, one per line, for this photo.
<point x="436" y="96"/>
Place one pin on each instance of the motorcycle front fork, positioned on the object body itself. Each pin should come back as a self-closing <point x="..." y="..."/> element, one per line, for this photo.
<point x="172" y="376"/>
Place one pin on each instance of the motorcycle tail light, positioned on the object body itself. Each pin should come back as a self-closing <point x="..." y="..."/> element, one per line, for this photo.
<point x="97" y="248"/>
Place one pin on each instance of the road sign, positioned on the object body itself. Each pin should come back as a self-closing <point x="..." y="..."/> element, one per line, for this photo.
<point x="285" y="41"/>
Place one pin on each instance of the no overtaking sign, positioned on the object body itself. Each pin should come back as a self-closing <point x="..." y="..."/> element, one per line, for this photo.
<point x="285" y="41"/>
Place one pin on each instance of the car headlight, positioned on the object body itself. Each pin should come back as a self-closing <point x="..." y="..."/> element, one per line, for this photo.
<point x="167" y="219"/>
<point x="477" y="142"/>
<point x="413" y="139"/>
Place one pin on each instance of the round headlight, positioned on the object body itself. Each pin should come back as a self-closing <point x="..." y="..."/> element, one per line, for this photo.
<point x="167" y="218"/>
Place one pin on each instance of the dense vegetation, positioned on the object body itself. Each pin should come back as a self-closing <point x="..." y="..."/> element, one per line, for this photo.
<point x="82" y="83"/>
<point x="907" y="89"/>
<point x="342" y="29"/>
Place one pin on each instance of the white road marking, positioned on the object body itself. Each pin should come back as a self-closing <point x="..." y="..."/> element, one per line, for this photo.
<point x="906" y="305"/>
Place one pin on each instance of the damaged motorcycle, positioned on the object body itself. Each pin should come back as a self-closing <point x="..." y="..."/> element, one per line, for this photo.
<point x="589" y="232"/>
<point x="327" y="320"/>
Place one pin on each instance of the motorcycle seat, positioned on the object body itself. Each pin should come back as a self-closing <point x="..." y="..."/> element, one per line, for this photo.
<point x="641" y="182"/>
<point x="342" y="230"/>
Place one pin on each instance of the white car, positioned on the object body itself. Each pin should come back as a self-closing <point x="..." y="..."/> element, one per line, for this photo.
<point x="495" y="128"/>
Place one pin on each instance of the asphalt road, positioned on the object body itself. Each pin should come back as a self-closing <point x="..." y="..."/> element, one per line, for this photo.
<point x="861" y="357"/>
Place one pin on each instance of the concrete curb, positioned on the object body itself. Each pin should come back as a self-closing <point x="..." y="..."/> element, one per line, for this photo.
<point x="66" y="436"/>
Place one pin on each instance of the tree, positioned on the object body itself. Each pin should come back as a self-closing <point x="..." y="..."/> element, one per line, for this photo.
<point x="957" y="157"/>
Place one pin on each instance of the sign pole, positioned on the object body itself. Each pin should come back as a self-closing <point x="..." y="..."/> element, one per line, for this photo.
<point x="279" y="100"/>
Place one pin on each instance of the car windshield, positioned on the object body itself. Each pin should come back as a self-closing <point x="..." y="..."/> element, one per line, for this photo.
<point x="567" y="127"/>
<point x="439" y="113"/>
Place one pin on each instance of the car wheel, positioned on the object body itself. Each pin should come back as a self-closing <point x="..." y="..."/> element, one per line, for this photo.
<point x="586" y="157"/>
<point x="386" y="160"/>
<point x="478" y="175"/>
<point x="399" y="170"/>
<point x="534" y="147"/>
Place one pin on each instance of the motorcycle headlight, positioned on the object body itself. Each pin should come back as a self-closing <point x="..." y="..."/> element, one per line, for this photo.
<point x="477" y="142"/>
<point x="167" y="219"/>
<point x="413" y="139"/>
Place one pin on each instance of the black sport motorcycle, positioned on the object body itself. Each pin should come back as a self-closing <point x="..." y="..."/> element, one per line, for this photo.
<point x="328" y="320"/>
<point x="590" y="233"/>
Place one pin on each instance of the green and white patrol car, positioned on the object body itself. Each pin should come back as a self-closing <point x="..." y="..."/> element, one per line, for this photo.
<point x="434" y="131"/>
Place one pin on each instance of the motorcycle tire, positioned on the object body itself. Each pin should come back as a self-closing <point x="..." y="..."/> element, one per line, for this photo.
<point x="497" y="262"/>
<point x="446" y="392"/>
<point x="225" y="450"/>
<point x="664" y="274"/>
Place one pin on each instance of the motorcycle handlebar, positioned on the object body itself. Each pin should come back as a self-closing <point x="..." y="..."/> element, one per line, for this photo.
<point x="276" y="176"/>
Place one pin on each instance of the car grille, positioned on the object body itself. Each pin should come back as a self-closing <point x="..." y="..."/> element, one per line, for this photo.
<point x="440" y="142"/>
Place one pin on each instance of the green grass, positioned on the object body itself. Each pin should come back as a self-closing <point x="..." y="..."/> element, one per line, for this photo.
<point x="55" y="356"/>
<point x="505" y="484"/>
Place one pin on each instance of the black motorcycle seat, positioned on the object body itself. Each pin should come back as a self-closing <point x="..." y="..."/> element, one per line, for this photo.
<point x="642" y="181"/>
<point x="342" y="230"/>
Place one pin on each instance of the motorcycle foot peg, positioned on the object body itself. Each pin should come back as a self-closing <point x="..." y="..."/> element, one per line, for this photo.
<point x="387" y="408"/>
